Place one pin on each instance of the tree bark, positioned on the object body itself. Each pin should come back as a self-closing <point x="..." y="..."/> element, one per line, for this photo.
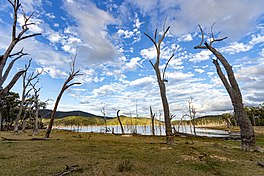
<point x="248" y="139"/>
<point x="47" y="135"/>
<point x="161" y="82"/>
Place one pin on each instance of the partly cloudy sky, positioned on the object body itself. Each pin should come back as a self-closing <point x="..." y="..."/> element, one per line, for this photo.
<point x="113" y="53"/>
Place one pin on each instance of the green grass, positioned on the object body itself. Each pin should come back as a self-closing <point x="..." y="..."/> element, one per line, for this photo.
<point x="106" y="154"/>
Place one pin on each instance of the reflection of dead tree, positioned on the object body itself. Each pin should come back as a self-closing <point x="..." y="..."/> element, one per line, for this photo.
<point x="152" y="116"/>
<point x="248" y="139"/>
<point x="119" y="120"/>
<point x="65" y="86"/>
<point x="161" y="82"/>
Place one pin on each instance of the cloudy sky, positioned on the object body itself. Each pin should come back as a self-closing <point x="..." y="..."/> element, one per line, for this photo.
<point x="113" y="53"/>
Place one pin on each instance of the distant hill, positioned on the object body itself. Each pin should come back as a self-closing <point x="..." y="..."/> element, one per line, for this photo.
<point x="46" y="113"/>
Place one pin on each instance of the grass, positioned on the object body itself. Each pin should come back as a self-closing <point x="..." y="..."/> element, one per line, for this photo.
<point x="106" y="154"/>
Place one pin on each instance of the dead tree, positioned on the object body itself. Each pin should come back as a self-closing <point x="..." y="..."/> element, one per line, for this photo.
<point x="36" y="106"/>
<point x="25" y="83"/>
<point x="104" y="113"/>
<point x="152" y="116"/>
<point x="192" y="113"/>
<point x="248" y="139"/>
<point x="16" y="38"/>
<point x="65" y="86"/>
<point x="161" y="82"/>
<point x="119" y="120"/>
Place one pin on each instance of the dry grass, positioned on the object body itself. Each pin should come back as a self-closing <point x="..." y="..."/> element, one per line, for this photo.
<point x="106" y="154"/>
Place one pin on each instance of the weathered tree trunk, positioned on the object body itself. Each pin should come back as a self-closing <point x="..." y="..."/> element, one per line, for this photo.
<point x="119" y="120"/>
<point x="65" y="86"/>
<point x="47" y="135"/>
<point x="152" y="116"/>
<point x="248" y="139"/>
<point x="161" y="82"/>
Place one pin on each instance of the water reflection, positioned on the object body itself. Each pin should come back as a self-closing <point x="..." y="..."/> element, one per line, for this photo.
<point x="146" y="130"/>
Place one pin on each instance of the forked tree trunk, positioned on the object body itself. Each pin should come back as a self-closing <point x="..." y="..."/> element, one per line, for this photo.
<point x="119" y="120"/>
<point x="248" y="139"/>
<point x="161" y="82"/>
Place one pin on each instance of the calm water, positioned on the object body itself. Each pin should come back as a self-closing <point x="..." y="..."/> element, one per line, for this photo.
<point x="146" y="130"/>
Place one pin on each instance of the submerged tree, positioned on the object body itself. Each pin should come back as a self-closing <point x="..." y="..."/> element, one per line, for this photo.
<point x="248" y="140"/>
<point x="161" y="82"/>
<point x="152" y="116"/>
<point x="65" y="86"/>
<point x="120" y="122"/>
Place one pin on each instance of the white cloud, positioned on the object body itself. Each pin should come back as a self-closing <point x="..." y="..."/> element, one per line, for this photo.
<point x="201" y="56"/>
<point x="199" y="70"/>
<point x="142" y="81"/>
<point x="125" y="33"/>
<point x="92" y="25"/>
<point x="235" y="47"/>
<point x="133" y="64"/>
<point x="184" y="16"/>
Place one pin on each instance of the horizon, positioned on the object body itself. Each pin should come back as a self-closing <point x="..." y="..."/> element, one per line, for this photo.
<point x="113" y="53"/>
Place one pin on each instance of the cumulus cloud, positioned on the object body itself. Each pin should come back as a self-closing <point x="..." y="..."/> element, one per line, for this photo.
<point x="92" y="25"/>
<point x="142" y="81"/>
<point x="184" y="16"/>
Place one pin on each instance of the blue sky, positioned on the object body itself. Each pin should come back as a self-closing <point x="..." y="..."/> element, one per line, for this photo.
<point x="113" y="53"/>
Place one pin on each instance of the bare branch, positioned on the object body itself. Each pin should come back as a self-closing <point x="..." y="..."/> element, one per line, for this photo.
<point x="213" y="38"/>
<point x="163" y="77"/>
<point x="153" y="41"/>
<point x="152" y="64"/>
<point x="200" y="46"/>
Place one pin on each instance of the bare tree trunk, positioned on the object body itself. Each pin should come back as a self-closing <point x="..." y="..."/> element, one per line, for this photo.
<point x="152" y="116"/>
<point x="65" y="86"/>
<point x="161" y="82"/>
<point x="119" y="120"/>
<point x="248" y="139"/>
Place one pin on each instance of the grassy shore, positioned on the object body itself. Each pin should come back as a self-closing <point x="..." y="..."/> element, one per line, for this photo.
<point x="107" y="154"/>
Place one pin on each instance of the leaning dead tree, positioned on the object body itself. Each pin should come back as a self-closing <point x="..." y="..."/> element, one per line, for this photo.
<point x="65" y="86"/>
<point x="161" y="82"/>
<point x="119" y="120"/>
<point x="248" y="139"/>
<point x="15" y="39"/>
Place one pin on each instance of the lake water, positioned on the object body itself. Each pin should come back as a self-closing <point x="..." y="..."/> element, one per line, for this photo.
<point x="146" y="130"/>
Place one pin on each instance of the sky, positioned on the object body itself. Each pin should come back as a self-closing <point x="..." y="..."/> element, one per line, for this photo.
<point x="113" y="53"/>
